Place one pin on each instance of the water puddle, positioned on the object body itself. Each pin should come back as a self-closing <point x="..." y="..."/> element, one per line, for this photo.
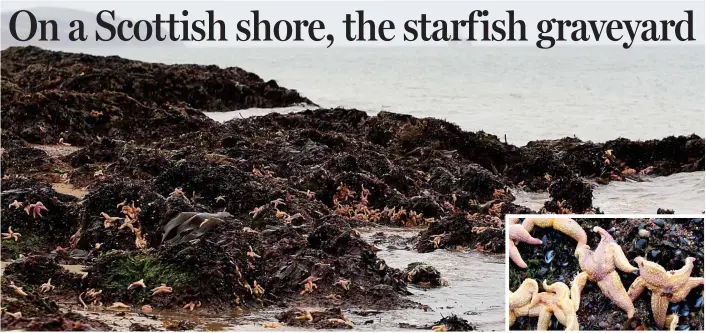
<point x="69" y="189"/>
<point x="56" y="150"/>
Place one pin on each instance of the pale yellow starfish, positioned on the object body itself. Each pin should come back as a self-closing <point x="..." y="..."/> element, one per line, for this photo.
<point x="162" y="289"/>
<point x="666" y="286"/>
<point x="599" y="266"/>
<point x="46" y="287"/>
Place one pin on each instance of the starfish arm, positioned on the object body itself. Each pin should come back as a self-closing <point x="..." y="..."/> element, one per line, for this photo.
<point x="613" y="288"/>
<point x="529" y="223"/>
<point x="621" y="262"/>
<point x="653" y="273"/>
<point x="672" y="320"/>
<point x="682" y="275"/>
<point x="512" y="318"/>
<point x="545" y="318"/>
<point x="659" y="309"/>
<point x="636" y="288"/>
<point x="682" y="291"/>
<point x="515" y="256"/>
<point x="524" y="294"/>
<point x="572" y="229"/>
<point x="577" y="287"/>
<point x="518" y="233"/>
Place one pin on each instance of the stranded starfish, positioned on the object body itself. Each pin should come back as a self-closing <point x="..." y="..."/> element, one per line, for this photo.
<point x="666" y="286"/>
<point x="11" y="234"/>
<point x="137" y="284"/>
<point x="522" y="297"/>
<point x="15" y="204"/>
<point x="554" y="301"/>
<point x="36" y="209"/>
<point x="599" y="266"/>
<point x="518" y="234"/>
<point x="46" y="287"/>
<point x="163" y="289"/>
<point x="567" y="226"/>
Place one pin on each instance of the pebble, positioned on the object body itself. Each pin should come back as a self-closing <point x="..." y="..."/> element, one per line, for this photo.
<point x="659" y="222"/>
<point x="641" y="243"/>
<point x="699" y="302"/>
<point x="644" y="233"/>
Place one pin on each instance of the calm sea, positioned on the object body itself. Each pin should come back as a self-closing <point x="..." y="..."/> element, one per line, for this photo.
<point x="595" y="93"/>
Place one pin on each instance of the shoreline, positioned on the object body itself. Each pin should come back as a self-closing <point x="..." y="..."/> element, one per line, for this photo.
<point x="298" y="190"/>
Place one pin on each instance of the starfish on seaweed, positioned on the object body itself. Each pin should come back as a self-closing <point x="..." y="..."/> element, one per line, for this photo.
<point x="599" y="266"/>
<point x="518" y="234"/>
<point x="666" y="286"/>
<point x="11" y="234"/>
<point x="36" y="209"/>
<point x="555" y="301"/>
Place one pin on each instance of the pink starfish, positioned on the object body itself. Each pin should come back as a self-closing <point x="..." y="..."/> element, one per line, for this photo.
<point x="37" y="208"/>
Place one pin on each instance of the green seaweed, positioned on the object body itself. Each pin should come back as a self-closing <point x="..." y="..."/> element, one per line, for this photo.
<point x="12" y="249"/>
<point x="122" y="270"/>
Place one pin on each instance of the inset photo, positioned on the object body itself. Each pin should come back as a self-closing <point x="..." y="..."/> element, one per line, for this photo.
<point x="605" y="272"/>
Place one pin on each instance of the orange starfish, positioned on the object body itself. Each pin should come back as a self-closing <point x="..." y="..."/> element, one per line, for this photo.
<point x="666" y="286"/>
<point x="599" y="266"/>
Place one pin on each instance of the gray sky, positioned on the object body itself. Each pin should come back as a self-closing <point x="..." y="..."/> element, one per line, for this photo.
<point x="332" y="14"/>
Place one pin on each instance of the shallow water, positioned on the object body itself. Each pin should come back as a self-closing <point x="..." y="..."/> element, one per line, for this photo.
<point x="682" y="192"/>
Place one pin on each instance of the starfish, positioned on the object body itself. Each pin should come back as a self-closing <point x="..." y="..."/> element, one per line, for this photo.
<point x="252" y="253"/>
<point x="333" y="297"/>
<point x="309" y="285"/>
<point x="36" y="209"/>
<point x="518" y="234"/>
<point x="109" y="220"/>
<point x="18" y="290"/>
<point x="436" y="240"/>
<point x="338" y="321"/>
<point x="258" y="290"/>
<point x="140" y="241"/>
<point x="118" y="306"/>
<point x="46" y="287"/>
<point x="306" y="315"/>
<point x="255" y="212"/>
<point x="345" y="284"/>
<point x="311" y="195"/>
<point x="440" y="328"/>
<point x="567" y="226"/>
<point x="162" y="289"/>
<point x="177" y="192"/>
<point x="16" y="315"/>
<point x="146" y="309"/>
<point x="278" y="202"/>
<point x="220" y="198"/>
<point x="98" y="173"/>
<point x="522" y="296"/>
<point x="293" y="217"/>
<point x="191" y="305"/>
<point x="15" y="204"/>
<point x="272" y="325"/>
<point x="555" y="301"/>
<point x="599" y="266"/>
<point x="11" y="234"/>
<point x="666" y="286"/>
<point x="137" y="284"/>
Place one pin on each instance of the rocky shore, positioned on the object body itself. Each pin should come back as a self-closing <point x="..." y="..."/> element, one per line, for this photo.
<point x="102" y="155"/>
